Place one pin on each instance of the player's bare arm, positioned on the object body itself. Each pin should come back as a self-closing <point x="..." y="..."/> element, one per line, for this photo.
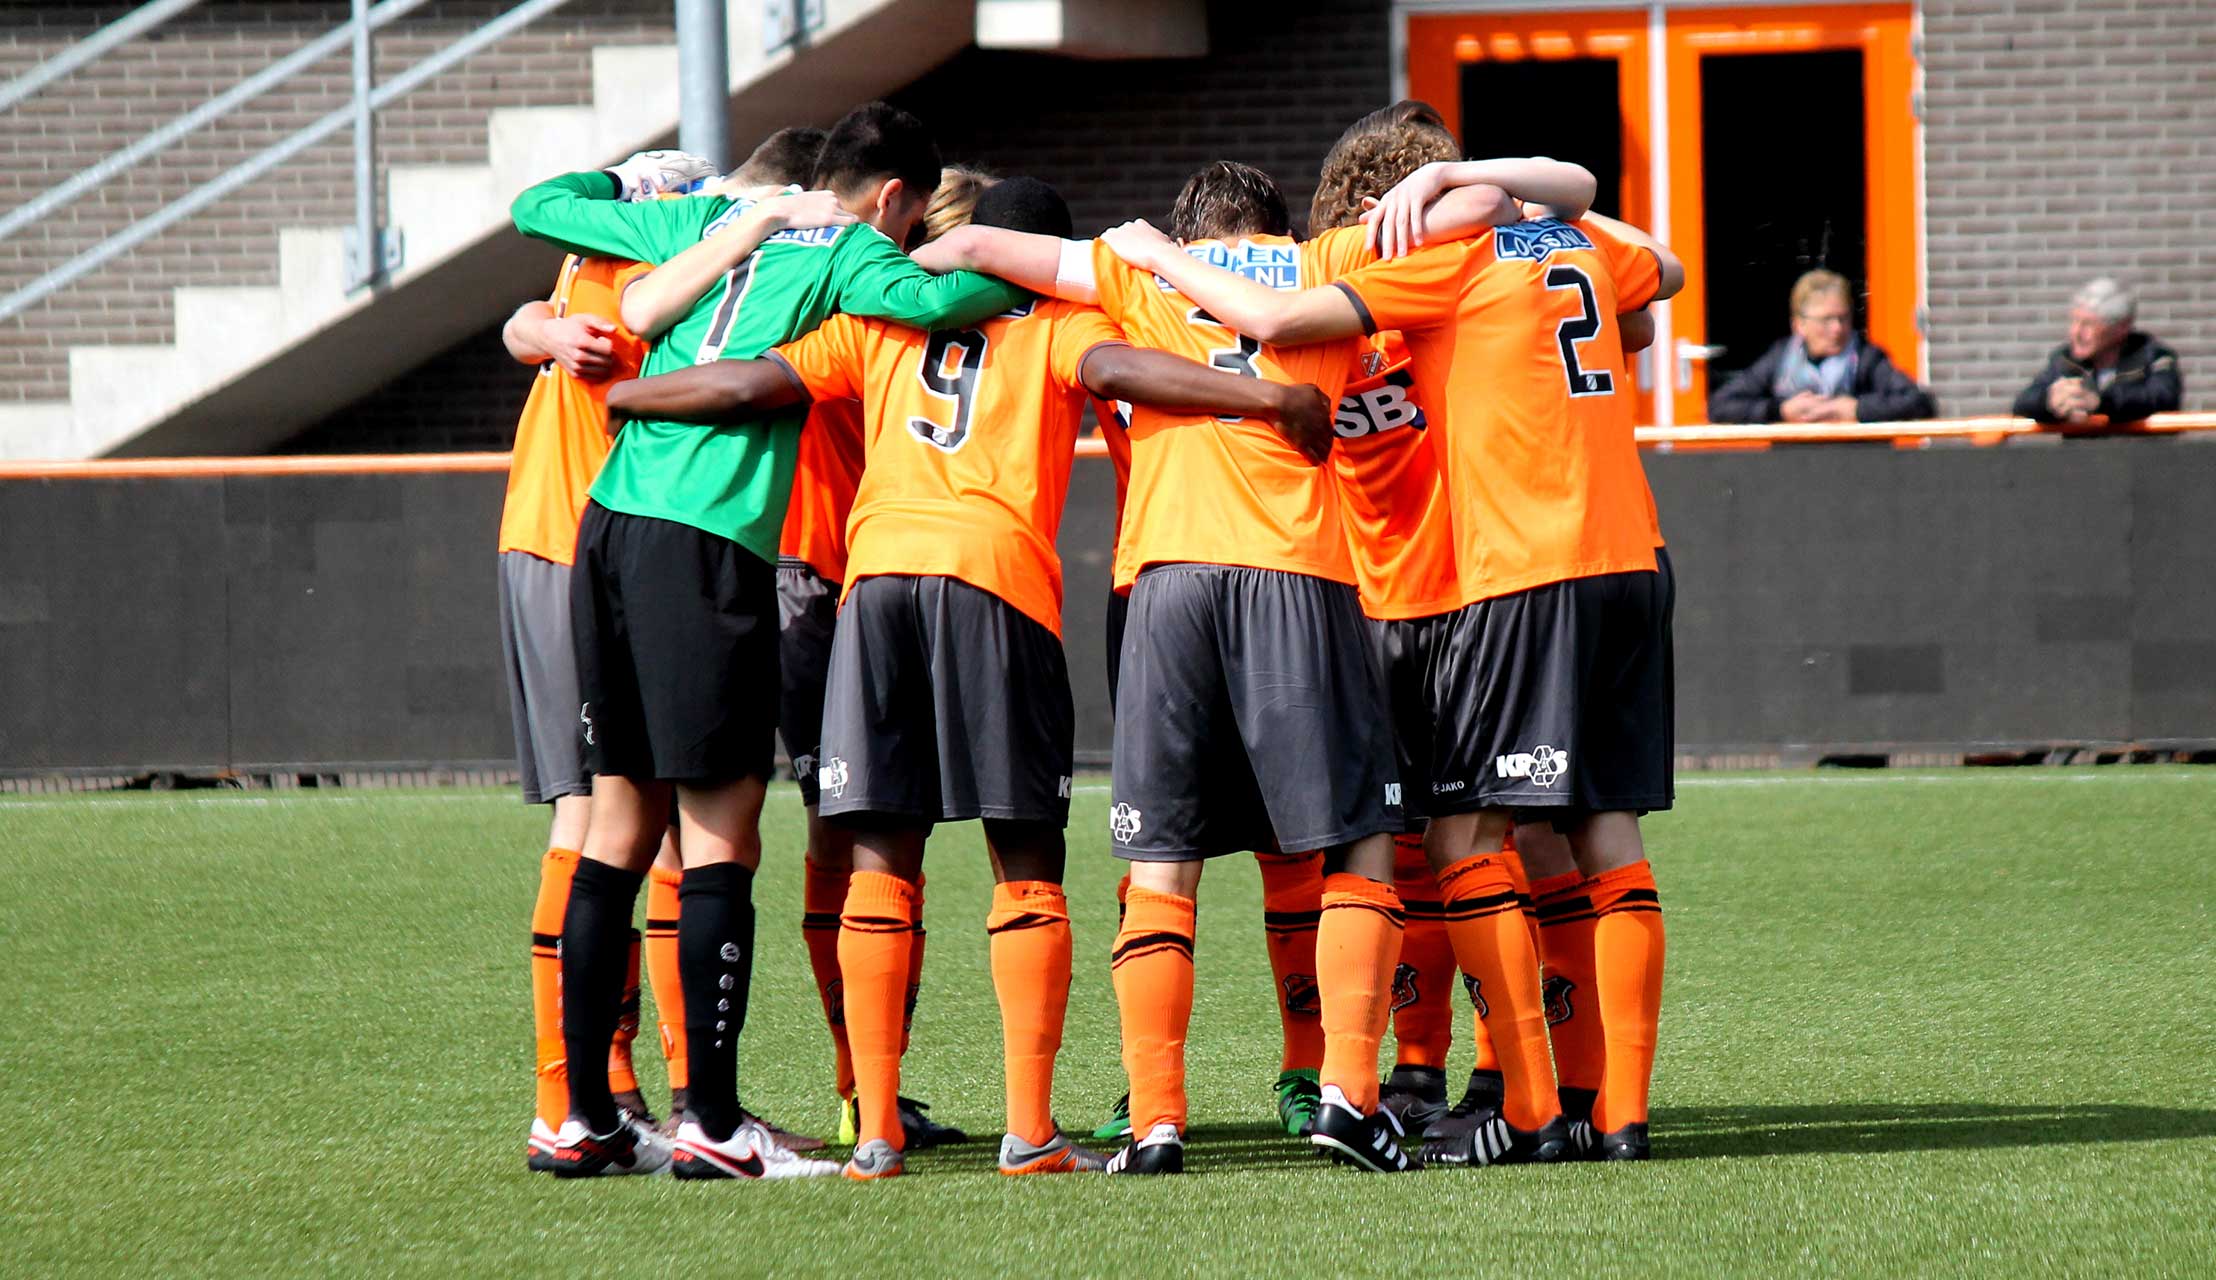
<point x="1673" y="271"/>
<point x="1256" y="310"/>
<point x="663" y="296"/>
<point x="579" y="344"/>
<point x="1399" y="224"/>
<point x="1022" y="258"/>
<point x="709" y="394"/>
<point x="1174" y="384"/>
<point x="1637" y="328"/>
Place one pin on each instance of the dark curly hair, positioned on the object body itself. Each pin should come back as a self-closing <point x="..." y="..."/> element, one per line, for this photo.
<point x="1374" y="153"/>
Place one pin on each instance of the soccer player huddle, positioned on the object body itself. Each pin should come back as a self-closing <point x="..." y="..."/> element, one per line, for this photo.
<point x="1392" y="613"/>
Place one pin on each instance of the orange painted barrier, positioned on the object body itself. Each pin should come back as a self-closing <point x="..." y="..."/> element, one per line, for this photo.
<point x="1984" y="432"/>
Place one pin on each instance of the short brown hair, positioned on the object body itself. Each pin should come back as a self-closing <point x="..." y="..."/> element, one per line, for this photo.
<point x="954" y="200"/>
<point x="786" y="158"/>
<point x="1227" y="199"/>
<point x="1374" y="153"/>
<point x="1817" y="282"/>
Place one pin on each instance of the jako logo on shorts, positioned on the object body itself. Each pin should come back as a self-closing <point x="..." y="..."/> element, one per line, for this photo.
<point x="1542" y="764"/>
<point x="803" y="766"/>
<point x="832" y="778"/>
<point x="1123" y="823"/>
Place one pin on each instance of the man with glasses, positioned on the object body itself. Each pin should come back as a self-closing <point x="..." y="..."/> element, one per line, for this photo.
<point x="1824" y="372"/>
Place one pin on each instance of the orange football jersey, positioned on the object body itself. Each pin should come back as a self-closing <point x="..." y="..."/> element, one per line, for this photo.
<point x="1213" y="492"/>
<point x="825" y="474"/>
<point x="1393" y="499"/>
<point x="967" y="439"/>
<point x="562" y="437"/>
<point x="1517" y="355"/>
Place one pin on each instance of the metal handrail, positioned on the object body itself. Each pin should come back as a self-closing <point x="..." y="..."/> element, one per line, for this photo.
<point x="123" y="30"/>
<point x="276" y="153"/>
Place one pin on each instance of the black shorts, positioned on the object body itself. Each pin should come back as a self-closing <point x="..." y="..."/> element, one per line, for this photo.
<point x="1119" y="608"/>
<point x="676" y="632"/>
<point x="807" y="607"/>
<point x="945" y="703"/>
<point x="1403" y="648"/>
<point x="1249" y="716"/>
<point x="1560" y="698"/>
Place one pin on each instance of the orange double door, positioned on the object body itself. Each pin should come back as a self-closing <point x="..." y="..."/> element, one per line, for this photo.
<point x="1757" y="142"/>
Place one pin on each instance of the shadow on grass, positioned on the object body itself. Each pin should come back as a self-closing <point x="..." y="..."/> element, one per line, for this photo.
<point x="1706" y="1133"/>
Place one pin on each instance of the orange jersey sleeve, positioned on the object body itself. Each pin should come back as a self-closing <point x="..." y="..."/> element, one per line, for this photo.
<point x="830" y="361"/>
<point x="1214" y="492"/>
<point x="1519" y="363"/>
<point x="1394" y="500"/>
<point x="562" y="436"/>
<point x="1637" y="273"/>
<point x="826" y="472"/>
<point x="968" y="436"/>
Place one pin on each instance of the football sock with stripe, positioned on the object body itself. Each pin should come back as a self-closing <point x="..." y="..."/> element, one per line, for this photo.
<point x="1493" y="946"/>
<point x="552" y="1088"/>
<point x="715" y="963"/>
<point x="1627" y="971"/>
<point x="1572" y="998"/>
<point x="1357" y="950"/>
<point x="621" y="1077"/>
<point x="1423" y="985"/>
<point x="596" y="938"/>
<point x="1292" y="903"/>
<point x="1152" y="966"/>
<point x="822" y="898"/>
<point x="661" y="968"/>
<point x="1028" y="933"/>
<point x="915" y="972"/>
<point x="876" y="943"/>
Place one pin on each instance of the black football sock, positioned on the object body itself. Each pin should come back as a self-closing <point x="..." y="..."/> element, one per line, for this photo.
<point x="596" y="947"/>
<point x="715" y="962"/>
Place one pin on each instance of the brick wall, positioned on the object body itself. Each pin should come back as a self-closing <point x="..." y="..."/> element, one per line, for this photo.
<point x="2066" y="139"/>
<point x="112" y="103"/>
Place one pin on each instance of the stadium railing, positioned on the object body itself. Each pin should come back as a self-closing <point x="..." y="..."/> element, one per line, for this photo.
<point x="1982" y="432"/>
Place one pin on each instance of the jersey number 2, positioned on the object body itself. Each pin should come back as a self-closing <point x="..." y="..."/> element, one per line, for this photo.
<point x="965" y="348"/>
<point x="1579" y="328"/>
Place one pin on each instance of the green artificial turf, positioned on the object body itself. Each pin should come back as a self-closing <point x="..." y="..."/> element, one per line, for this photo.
<point x="1915" y="1023"/>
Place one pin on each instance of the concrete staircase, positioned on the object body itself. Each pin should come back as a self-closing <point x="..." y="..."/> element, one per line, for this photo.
<point x="251" y="365"/>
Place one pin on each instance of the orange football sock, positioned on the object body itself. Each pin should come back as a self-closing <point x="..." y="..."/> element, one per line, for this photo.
<point x="822" y="898"/>
<point x="1153" y="971"/>
<point x="1423" y="1002"/>
<point x="661" y="969"/>
<point x="1292" y="902"/>
<point x="1357" y="950"/>
<point x="621" y="1077"/>
<point x="875" y="934"/>
<point x="552" y="1072"/>
<point x="1029" y="937"/>
<point x="1123" y="892"/>
<point x="1494" y="948"/>
<point x="1572" y="999"/>
<point x="1627" y="972"/>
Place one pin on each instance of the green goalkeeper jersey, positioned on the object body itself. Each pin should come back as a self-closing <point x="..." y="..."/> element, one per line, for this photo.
<point x="734" y="480"/>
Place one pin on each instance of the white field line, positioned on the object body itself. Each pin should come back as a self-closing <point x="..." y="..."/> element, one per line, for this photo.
<point x="1695" y="782"/>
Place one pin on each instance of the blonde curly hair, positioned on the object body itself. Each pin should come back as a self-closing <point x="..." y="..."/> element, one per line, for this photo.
<point x="1374" y="153"/>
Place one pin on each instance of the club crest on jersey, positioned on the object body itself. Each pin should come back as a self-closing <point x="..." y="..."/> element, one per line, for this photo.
<point x="1276" y="266"/>
<point x="1124" y="823"/>
<point x="1542" y="764"/>
<point x="833" y="776"/>
<point x="1300" y="993"/>
<point x="1384" y="407"/>
<point x="1536" y="241"/>
<point x="813" y="237"/>
<point x="1556" y="991"/>
<point x="1476" y="991"/>
<point x="1405" y="993"/>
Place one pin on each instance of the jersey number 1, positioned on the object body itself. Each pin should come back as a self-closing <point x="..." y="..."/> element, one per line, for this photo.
<point x="1579" y="328"/>
<point x="966" y="348"/>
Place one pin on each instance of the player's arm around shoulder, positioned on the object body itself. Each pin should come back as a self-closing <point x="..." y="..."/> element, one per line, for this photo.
<point x="714" y="394"/>
<point x="874" y="278"/>
<point x="1115" y="371"/>
<point x="1251" y="308"/>
<point x="584" y="213"/>
<point x="658" y="300"/>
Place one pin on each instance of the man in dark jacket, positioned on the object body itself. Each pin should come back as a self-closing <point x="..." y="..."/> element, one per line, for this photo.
<point x="2106" y="367"/>
<point x="1824" y="372"/>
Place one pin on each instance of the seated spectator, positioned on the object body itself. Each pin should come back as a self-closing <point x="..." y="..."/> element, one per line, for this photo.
<point x="1824" y="372"/>
<point x="2106" y="368"/>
